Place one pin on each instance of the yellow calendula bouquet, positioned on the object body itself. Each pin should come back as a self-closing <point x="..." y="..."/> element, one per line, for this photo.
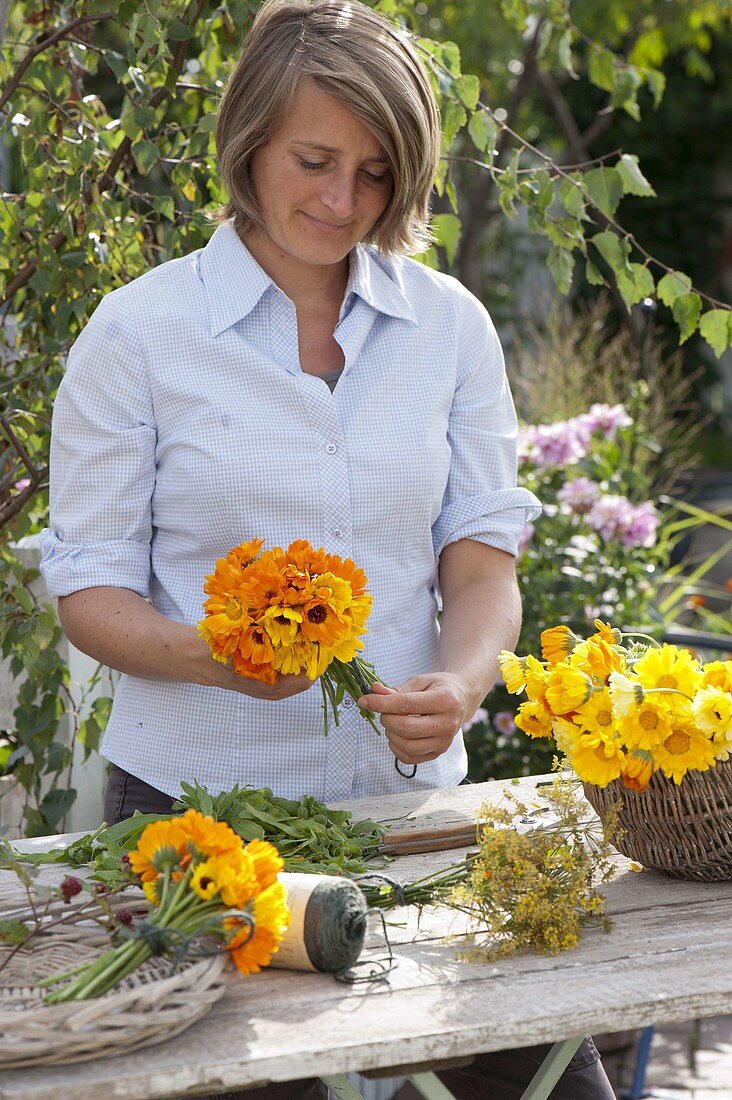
<point x="201" y="880"/>
<point x="292" y="611"/>
<point x="623" y="706"/>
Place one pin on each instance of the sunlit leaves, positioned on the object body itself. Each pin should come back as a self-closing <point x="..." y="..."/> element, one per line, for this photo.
<point x="447" y="229"/>
<point x="633" y="180"/>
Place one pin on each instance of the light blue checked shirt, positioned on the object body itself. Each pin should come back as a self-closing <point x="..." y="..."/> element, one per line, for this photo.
<point x="185" y="425"/>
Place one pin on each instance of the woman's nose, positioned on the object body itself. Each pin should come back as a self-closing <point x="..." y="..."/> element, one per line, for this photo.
<point x="339" y="194"/>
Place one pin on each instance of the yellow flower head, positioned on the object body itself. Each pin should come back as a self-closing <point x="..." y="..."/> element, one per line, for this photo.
<point x="557" y="643"/>
<point x="713" y="713"/>
<point x="513" y="671"/>
<point x="718" y="674"/>
<point x="266" y="860"/>
<point x="609" y="634"/>
<point x="534" y="719"/>
<point x="152" y="890"/>
<point x="566" y="735"/>
<point x="626" y="694"/>
<point x="685" y="749"/>
<point x="282" y="624"/>
<point x="161" y="848"/>
<point x="598" y="760"/>
<point x="637" y="770"/>
<point x="271" y="920"/>
<point x="646" y="725"/>
<point x="231" y="876"/>
<point x="669" y="667"/>
<point x="597" y="659"/>
<point x="596" y="715"/>
<point x="537" y="678"/>
<point x="567" y="688"/>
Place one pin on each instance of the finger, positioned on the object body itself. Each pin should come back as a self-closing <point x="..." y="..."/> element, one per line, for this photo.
<point x="421" y="702"/>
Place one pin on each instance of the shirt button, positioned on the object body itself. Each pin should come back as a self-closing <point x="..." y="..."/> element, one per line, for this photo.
<point x="337" y="533"/>
<point x="347" y="701"/>
<point x="330" y="448"/>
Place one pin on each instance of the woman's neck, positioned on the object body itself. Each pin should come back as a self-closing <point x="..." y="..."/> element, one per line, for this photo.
<point x="310" y="286"/>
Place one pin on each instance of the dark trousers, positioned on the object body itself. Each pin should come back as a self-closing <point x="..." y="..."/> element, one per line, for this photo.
<point x="502" y="1075"/>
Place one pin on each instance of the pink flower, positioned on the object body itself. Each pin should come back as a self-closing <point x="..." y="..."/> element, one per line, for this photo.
<point x="643" y="526"/>
<point x="614" y="517"/>
<point x="560" y="444"/>
<point x="607" y="419"/>
<point x="579" y="495"/>
<point x="22" y="484"/>
<point x="504" y="723"/>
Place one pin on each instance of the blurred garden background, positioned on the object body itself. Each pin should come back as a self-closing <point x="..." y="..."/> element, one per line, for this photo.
<point x="584" y="195"/>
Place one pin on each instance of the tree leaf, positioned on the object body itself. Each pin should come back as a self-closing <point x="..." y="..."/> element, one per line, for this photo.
<point x="613" y="249"/>
<point x="601" y="69"/>
<point x="593" y="276"/>
<point x="484" y="132"/>
<point x="560" y="262"/>
<point x="686" y="310"/>
<point x="605" y="188"/>
<point x="634" y="182"/>
<point x="145" y="154"/>
<point x="572" y="198"/>
<point x="656" y="82"/>
<point x="447" y="229"/>
<point x="467" y="89"/>
<point x="450" y="56"/>
<point x="636" y="284"/>
<point x="454" y="117"/>
<point x="672" y="286"/>
<point x="716" y="328"/>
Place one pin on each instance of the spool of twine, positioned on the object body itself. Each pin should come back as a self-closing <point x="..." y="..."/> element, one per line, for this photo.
<point x="327" y="923"/>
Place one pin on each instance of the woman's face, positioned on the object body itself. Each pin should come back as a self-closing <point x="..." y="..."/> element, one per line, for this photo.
<point x="322" y="182"/>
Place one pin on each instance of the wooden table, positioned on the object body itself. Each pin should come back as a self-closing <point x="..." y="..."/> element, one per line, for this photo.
<point x="666" y="959"/>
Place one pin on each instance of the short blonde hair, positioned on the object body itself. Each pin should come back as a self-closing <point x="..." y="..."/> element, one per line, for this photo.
<point x="365" y="62"/>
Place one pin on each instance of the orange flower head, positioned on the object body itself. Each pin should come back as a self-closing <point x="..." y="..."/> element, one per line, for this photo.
<point x="637" y="770"/>
<point x="271" y="920"/>
<point x="267" y="861"/>
<point x="161" y="848"/>
<point x="567" y="688"/>
<point x="205" y="837"/>
<point x="609" y="634"/>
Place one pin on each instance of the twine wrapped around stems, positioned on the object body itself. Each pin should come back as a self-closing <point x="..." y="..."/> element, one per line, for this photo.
<point x="683" y="830"/>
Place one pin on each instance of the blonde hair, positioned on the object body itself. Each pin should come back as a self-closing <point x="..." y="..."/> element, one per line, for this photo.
<point x="365" y="62"/>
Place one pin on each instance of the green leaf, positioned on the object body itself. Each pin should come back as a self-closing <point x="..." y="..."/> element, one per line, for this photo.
<point x="686" y="310"/>
<point x="484" y="133"/>
<point x="605" y="188"/>
<point x="613" y="249"/>
<point x="601" y="69"/>
<point x="14" y="931"/>
<point x="572" y="198"/>
<point x="447" y="229"/>
<point x="716" y="328"/>
<point x="672" y="286"/>
<point x="454" y="117"/>
<point x="145" y="154"/>
<point x="515" y="12"/>
<point x="450" y="56"/>
<point x="467" y="89"/>
<point x="508" y="185"/>
<point x="636" y="284"/>
<point x="656" y="82"/>
<point x="560" y="262"/>
<point x="177" y="31"/>
<point x="56" y="805"/>
<point x="593" y="276"/>
<point x="164" y="205"/>
<point x="634" y="182"/>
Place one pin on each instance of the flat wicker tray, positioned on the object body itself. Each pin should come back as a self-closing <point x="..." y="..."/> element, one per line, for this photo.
<point x="150" y="1005"/>
<point x="683" y="830"/>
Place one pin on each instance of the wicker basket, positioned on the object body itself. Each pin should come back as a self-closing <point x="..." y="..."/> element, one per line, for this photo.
<point x="148" y="1006"/>
<point x="684" y="831"/>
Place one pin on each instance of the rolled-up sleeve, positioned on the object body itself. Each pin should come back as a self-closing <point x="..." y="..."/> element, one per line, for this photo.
<point x="482" y="501"/>
<point x="102" y="462"/>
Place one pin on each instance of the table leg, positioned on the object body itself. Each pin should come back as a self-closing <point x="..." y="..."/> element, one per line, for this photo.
<point x="427" y="1084"/>
<point x="551" y="1069"/>
<point x="339" y="1084"/>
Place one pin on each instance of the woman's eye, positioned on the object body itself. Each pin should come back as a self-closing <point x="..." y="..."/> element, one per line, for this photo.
<point x="310" y="165"/>
<point x="372" y="178"/>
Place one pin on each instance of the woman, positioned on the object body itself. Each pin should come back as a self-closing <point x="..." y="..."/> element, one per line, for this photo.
<point x="296" y="378"/>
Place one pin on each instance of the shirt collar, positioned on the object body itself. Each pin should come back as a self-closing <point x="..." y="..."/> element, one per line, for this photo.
<point x="234" y="282"/>
<point x="372" y="282"/>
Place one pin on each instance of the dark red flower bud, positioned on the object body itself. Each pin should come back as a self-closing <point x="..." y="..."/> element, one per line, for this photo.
<point x="125" y="861"/>
<point x="70" y="887"/>
<point x="124" y="916"/>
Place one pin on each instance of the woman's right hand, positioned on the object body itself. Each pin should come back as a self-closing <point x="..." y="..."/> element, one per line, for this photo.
<point x="213" y="673"/>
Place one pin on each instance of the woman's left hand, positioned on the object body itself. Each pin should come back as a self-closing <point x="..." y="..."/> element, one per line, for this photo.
<point x="421" y="716"/>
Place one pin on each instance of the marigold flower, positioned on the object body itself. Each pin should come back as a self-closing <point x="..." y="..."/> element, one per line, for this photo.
<point x="205" y="837"/>
<point x="609" y="634"/>
<point x="557" y="643"/>
<point x="625" y="693"/>
<point x="669" y="667"/>
<point x="271" y="920"/>
<point x="598" y="760"/>
<point x="266" y="860"/>
<point x="645" y="726"/>
<point x="718" y="674"/>
<point x="537" y="677"/>
<point x="596" y="658"/>
<point x="534" y="719"/>
<point x="713" y="712"/>
<point x="636" y="770"/>
<point x="596" y="715"/>
<point x="685" y="749"/>
<point x="161" y="847"/>
<point x="567" y="688"/>
<point x="513" y="671"/>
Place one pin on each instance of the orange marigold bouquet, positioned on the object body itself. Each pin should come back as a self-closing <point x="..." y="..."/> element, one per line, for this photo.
<point x="201" y="879"/>
<point x="624" y="711"/>
<point x="294" y="611"/>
